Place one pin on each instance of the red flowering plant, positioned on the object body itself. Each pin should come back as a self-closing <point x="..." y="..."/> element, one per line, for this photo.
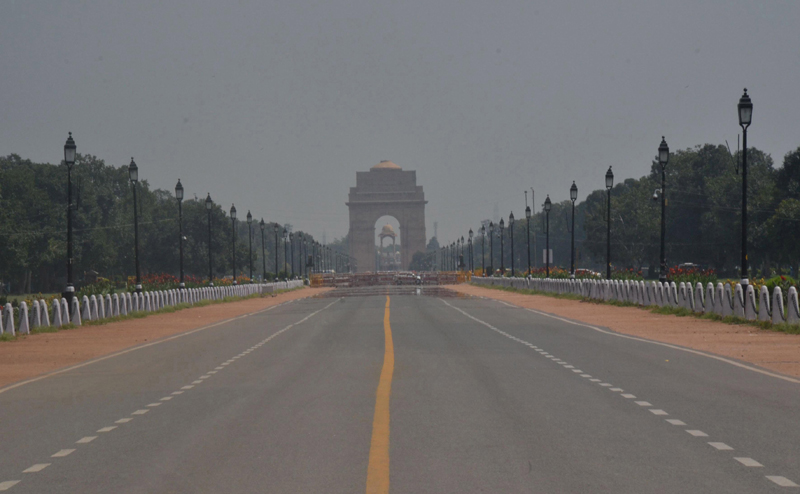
<point x="692" y="275"/>
<point x="626" y="274"/>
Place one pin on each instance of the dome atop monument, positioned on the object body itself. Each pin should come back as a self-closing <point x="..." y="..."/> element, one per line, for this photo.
<point x="385" y="165"/>
<point x="387" y="229"/>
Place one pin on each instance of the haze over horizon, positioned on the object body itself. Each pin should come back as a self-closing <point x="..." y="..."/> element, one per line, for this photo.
<point x="275" y="106"/>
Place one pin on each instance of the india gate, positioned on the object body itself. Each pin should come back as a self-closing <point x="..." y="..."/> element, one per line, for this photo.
<point x="386" y="190"/>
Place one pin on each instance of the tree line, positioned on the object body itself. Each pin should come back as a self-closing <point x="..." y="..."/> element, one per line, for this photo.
<point x="33" y="232"/>
<point x="703" y="219"/>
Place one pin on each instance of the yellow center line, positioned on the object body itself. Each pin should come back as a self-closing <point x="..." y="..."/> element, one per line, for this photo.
<point x="378" y="469"/>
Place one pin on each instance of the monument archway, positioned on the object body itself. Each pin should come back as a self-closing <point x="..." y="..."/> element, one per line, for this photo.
<point x="385" y="190"/>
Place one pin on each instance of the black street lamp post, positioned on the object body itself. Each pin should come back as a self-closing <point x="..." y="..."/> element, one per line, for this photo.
<point x="179" y="197"/>
<point x="209" y="206"/>
<point x="250" y="238"/>
<point x="285" y="251"/>
<point x="573" y="196"/>
<point x="483" y="249"/>
<point x="502" y="248"/>
<point x="233" y="240"/>
<point x="461" y="264"/>
<point x="275" y="230"/>
<point x="609" y="185"/>
<point x="528" y="231"/>
<point x="547" y="206"/>
<point x="663" y="159"/>
<point x="511" y="231"/>
<point x="471" y="254"/>
<point x="291" y="249"/>
<point x="263" y="252"/>
<point x="745" y="118"/>
<point x="69" y="161"/>
<point x="133" y="172"/>
<point x="491" y="247"/>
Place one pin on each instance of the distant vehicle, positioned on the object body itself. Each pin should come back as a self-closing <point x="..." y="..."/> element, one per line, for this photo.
<point x="586" y="272"/>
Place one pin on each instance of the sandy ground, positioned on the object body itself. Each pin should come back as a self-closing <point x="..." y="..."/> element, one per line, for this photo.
<point x="768" y="349"/>
<point x="37" y="354"/>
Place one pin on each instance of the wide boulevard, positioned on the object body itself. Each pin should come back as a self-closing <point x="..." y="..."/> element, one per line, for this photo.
<point x="402" y="391"/>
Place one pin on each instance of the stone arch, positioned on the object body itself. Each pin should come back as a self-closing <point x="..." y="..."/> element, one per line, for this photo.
<point x="386" y="190"/>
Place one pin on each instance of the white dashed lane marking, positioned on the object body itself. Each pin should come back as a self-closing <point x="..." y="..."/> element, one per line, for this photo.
<point x="5" y="485"/>
<point x="36" y="468"/>
<point x="748" y="462"/>
<point x="721" y="446"/>
<point x="782" y="481"/>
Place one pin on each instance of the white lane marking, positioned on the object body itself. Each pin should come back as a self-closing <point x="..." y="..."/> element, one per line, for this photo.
<point x="212" y="372"/>
<point x="616" y="390"/>
<point x="8" y="484"/>
<point x="107" y="428"/>
<point x="36" y="468"/>
<point x="223" y="364"/>
<point x="123" y="421"/>
<point x="188" y="386"/>
<point x="779" y="480"/>
<point x="586" y="375"/>
<point x="167" y="398"/>
<point x="569" y="366"/>
<point x="86" y="439"/>
<point x="204" y="377"/>
<point x="177" y="393"/>
<point x="748" y="462"/>
<point x="140" y="412"/>
<point x="197" y="382"/>
<point x="643" y="403"/>
<point x="782" y="481"/>
<point x="721" y="446"/>
<point x="219" y="368"/>
<point x="595" y="380"/>
<point x="577" y="371"/>
<point x="628" y="395"/>
<point x="605" y="385"/>
<point x="668" y="345"/>
<point x="155" y="404"/>
<point x="145" y="345"/>
<point x="63" y="453"/>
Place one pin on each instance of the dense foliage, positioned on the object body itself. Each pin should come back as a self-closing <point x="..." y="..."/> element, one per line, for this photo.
<point x="703" y="219"/>
<point x="33" y="231"/>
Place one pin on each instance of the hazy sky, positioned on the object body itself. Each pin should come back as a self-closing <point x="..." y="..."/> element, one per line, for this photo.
<point x="275" y="106"/>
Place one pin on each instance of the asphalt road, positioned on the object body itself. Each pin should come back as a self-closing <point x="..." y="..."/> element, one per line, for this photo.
<point x="484" y="397"/>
